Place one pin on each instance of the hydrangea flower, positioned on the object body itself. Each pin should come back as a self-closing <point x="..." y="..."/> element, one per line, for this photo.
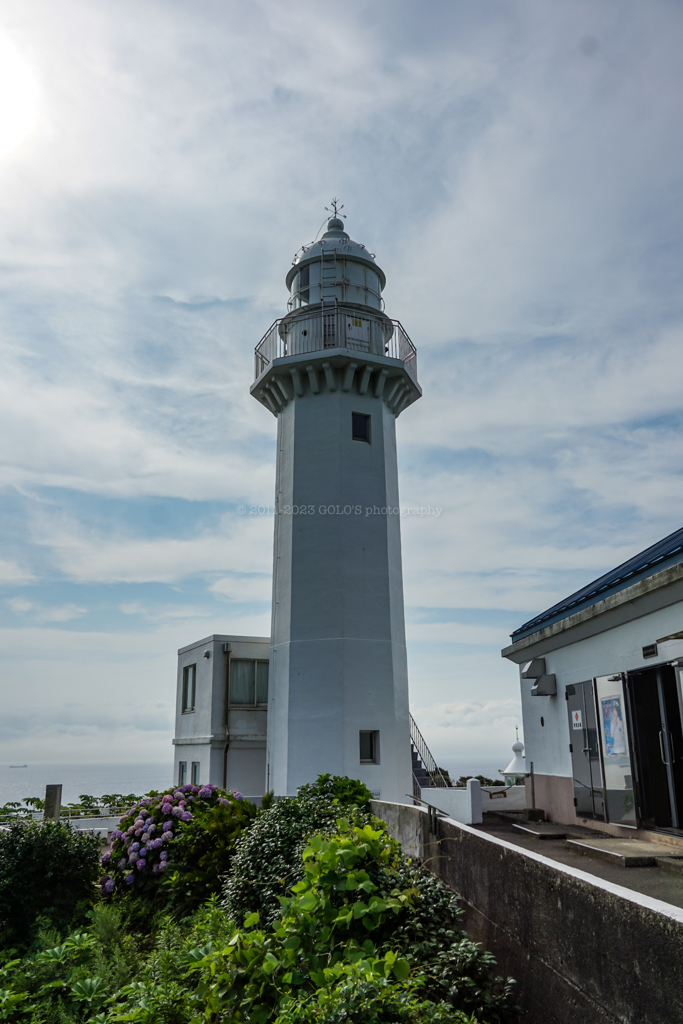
<point x="167" y="825"/>
<point x="179" y="793"/>
<point x="176" y="812"/>
<point x="186" y="816"/>
<point x="140" y="864"/>
<point x="122" y="863"/>
<point x="237" y="796"/>
<point x="106" y="857"/>
<point x="135" y="846"/>
<point x="106" y="885"/>
<point x="130" y="878"/>
<point x="144" y="814"/>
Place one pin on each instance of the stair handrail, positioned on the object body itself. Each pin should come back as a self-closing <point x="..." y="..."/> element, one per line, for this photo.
<point x="426" y="756"/>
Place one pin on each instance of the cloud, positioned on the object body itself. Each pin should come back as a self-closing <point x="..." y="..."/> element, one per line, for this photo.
<point x="58" y="613"/>
<point x="522" y="191"/>
<point x="465" y="727"/>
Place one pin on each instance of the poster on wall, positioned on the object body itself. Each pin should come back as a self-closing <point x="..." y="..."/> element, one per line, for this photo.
<point x="613" y="725"/>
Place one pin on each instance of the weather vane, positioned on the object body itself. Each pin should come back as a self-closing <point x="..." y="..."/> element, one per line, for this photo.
<point x="336" y="209"/>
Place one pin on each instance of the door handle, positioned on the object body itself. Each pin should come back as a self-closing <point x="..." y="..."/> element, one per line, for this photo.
<point x="671" y="748"/>
<point x="661" y="748"/>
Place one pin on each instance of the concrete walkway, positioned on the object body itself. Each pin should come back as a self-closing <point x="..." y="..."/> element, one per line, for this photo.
<point x="655" y="881"/>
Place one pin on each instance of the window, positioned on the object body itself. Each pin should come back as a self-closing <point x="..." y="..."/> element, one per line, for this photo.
<point x="360" y="427"/>
<point x="369" y="747"/>
<point x="194" y="779"/>
<point x="248" y="681"/>
<point x="304" y="282"/>
<point x="182" y="773"/>
<point x="189" y="687"/>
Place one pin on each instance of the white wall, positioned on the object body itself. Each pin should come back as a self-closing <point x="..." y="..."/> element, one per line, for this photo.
<point x="615" y="650"/>
<point x="338" y="662"/>
<point x="201" y="735"/>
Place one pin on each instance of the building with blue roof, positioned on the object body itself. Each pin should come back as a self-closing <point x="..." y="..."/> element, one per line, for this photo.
<point x="602" y="698"/>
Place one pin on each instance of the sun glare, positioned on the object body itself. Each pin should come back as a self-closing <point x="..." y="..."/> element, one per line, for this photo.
<point x="18" y="96"/>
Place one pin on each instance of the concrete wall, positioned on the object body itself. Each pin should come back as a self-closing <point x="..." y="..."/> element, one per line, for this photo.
<point x="461" y="804"/>
<point x="582" y="949"/>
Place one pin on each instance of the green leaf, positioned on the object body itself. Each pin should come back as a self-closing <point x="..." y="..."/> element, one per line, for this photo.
<point x="252" y="920"/>
<point x="401" y="970"/>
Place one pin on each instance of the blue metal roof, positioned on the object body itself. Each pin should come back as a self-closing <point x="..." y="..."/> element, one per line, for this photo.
<point x="661" y="555"/>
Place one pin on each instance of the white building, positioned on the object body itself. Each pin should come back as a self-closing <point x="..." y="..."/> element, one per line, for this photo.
<point x="336" y="371"/>
<point x="602" y="699"/>
<point x="221" y="712"/>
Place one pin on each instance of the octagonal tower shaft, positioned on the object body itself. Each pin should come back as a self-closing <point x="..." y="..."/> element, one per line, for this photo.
<point x="337" y="376"/>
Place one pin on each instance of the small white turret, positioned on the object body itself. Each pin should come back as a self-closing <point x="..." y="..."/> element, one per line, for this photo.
<point x="516" y="770"/>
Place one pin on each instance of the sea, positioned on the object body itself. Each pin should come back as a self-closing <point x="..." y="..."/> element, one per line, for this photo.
<point x="17" y="783"/>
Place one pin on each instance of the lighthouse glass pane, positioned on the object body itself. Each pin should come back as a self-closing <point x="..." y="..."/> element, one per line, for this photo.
<point x="304" y="281"/>
<point x="242" y="680"/>
<point x="616" y="750"/>
<point x="261" y="682"/>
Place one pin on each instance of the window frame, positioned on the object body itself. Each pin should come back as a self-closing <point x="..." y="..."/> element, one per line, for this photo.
<point x="182" y="773"/>
<point x="374" y="746"/>
<point x="255" y="703"/>
<point x="187" y="706"/>
<point x="195" y="772"/>
<point x="368" y="424"/>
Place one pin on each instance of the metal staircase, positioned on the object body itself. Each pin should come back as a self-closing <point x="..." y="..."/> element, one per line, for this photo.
<point x="426" y="772"/>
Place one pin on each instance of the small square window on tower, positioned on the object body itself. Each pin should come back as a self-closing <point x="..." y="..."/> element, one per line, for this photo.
<point x="182" y="773"/>
<point x="195" y="773"/>
<point x="369" y="746"/>
<point x="360" y="427"/>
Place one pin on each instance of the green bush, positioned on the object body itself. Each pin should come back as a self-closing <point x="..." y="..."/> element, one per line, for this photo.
<point x="267" y="859"/>
<point x="47" y="872"/>
<point x="342" y="949"/>
<point x="174" y="847"/>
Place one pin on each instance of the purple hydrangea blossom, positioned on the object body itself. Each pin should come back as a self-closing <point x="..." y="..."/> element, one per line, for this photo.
<point x="152" y="828"/>
<point x="186" y="816"/>
<point x="163" y="865"/>
<point x="144" y="814"/>
<point x="122" y="863"/>
<point x="141" y="864"/>
<point x="179" y="794"/>
<point x="130" y="878"/>
<point x="156" y="869"/>
<point x="106" y="857"/>
<point x="223" y="802"/>
<point x="176" y="812"/>
<point x="106" y="885"/>
<point x="167" y="825"/>
<point x="205" y="793"/>
<point x="237" y="796"/>
<point x="156" y="844"/>
<point x="181" y="803"/>
<point x="163" y="855"/>
<point x="135" y="846"/>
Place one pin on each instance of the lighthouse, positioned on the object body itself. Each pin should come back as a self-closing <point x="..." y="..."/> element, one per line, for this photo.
<point x="336" y="371"/>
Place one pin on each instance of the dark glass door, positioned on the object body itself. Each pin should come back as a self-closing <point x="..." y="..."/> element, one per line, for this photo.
<point x="583" y="738"/>
<point x="658" y="737"/>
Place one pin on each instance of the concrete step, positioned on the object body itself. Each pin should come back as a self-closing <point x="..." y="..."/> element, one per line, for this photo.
<point x="673" y="864"/>
<point x="540" y="830"/>
<point x="627" y="853"/>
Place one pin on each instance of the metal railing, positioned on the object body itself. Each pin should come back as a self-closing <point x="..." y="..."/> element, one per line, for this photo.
<point x="425" y="755"/>
<point x="337" y="328"/>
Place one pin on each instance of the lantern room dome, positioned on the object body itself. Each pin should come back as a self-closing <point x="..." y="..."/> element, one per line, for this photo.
<point x="335" y="267"/>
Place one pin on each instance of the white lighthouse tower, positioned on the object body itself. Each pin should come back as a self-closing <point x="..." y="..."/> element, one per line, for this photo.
<point x="336" y="371"/>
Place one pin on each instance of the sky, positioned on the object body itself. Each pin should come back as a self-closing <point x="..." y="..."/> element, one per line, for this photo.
<point x="517" y="167"/>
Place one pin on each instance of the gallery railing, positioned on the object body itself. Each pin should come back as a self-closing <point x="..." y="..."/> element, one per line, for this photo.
<point x="338" y="328"/>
